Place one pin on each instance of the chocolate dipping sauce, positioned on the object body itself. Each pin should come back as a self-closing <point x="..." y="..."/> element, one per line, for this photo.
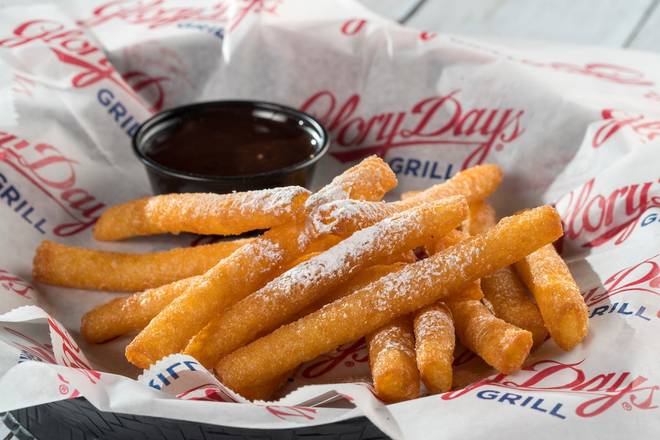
<point x="231" y="143"/>
<point x="224" y="146"/>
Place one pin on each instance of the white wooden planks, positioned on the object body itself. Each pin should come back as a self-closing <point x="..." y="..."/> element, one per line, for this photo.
<point x="598" y="22"/>
<point x="647" y="37"/>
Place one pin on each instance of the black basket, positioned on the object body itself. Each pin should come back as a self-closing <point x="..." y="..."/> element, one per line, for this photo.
<point x="80" y="420"/>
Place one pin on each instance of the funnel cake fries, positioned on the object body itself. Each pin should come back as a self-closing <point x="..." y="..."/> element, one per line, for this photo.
<point x="434" y="346"/>
<point x="428" y="359"/>
<point x="362" y="279"/>
<point x="510" y="301"/>
<point x="482" y="218"/>
<point x="392" y="361"/>
<point x="81" y="268"/>
<point x="477" y="180"/>
<point x="416" y="278"/>
<point x="136" y="312"/>
<point x="125" y="315"/>
<point x="368" y="180"/>
<point x="500" y="344"/>
<point x="557" y="295"/>
<point x="266" y="391"/>
<point x="475" y="184"/>
<point x="246" y="270"/>
<point x="220" y="214"/>
<point x="503" y="289"/>
<point x="132" y="313"/>
<point x="397" y="294"/>
<point x="291" y="292"/>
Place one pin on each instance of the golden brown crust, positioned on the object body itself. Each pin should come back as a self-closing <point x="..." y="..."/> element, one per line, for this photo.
<point x="397" y="294"/>
<point x="392" y="361"/>
<point x="434" y="346"/>
<point x="284" y="297"/>
<point x="557" y="295"/>
<point x="502" y="345"/>
<point x="81" y="268"/>
<point x="511" y="302"/>
<point x="202" y="213"/>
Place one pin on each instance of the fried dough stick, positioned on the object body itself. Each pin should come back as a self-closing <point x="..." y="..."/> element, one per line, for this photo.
<point x="70" y="266"/>
<point x="482" y="218"/>
<point x="371" y="178"/>
<point x="557" y="295"/>
<point x="247" y="269"/>
<point x="509" y="299"/>
<point x="392" y="361"/>
<point x="368" y="275"/>
<point x="132" y="313"/>
<point x="202" y="213"/>
<point x="434" y="331"/>
<point x="397" y="294"/>
<point x="266" y="391"/>
<point x="339" y="217"/>
<point x="503" y="289"/>
<point x="500" y="344"/>
<point x="282" y="298"/>
<point x="434" y="346"/>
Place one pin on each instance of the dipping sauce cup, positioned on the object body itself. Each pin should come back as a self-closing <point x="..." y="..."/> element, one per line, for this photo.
<point x="225" y="146"/>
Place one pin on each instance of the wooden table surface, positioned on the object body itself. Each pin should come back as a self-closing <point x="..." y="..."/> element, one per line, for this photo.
<point x="633" y="24"/>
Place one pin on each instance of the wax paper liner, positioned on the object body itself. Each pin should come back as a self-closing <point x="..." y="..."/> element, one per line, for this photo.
<point x="573" y="126"/>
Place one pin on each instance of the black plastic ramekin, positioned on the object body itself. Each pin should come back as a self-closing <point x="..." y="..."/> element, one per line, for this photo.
<point x="166" y="179"/>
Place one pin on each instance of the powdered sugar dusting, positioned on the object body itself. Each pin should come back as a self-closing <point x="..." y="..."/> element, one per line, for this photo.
<point x="341" y="215"/>
<point x="145" y="298"/>
<point x="345" y="216"/>
<point x="275" y="201"/>
<point x="394" y="284"/>
<point x="306" y="235"/>
<point x="394" y="337"/>
<point x="430" y="274"/>
<point x="368" y="180"/>
<point x="266" y="253"/>
<point x="433" y="321"/>
<point x="332" y="191"/>
<point x="361" y="248"/>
